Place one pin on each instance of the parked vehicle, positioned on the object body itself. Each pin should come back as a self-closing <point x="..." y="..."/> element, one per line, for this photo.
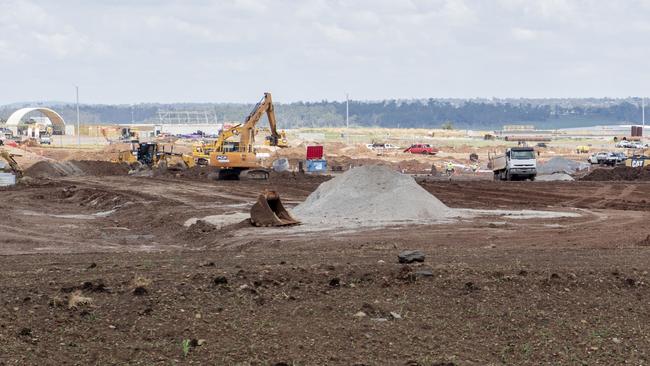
<point x="517" y="163"/>
<point x="624" y="144"/>
<point x="45" y="139"/>
<point x="425" y="149"/>
<point x="380" y="146"/>
<point x="620" y="158"/>
<point x="605" y="158"/>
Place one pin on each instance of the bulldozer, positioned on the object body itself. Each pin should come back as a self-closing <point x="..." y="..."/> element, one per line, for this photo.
<point x="269" y="140"/>
<point x="234" y="157"/>
<point x="13" y="165"/>
<point x="269" y="211"/>
<point x="150" y="154"/>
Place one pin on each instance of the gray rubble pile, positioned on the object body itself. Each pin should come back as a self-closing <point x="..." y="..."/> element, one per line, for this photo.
<point x="372" y="195"/>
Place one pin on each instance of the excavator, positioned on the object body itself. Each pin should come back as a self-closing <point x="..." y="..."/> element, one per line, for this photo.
<point x="13" y="165"/>
<point x="201" y="151"/>
<point x="234" y="157"/>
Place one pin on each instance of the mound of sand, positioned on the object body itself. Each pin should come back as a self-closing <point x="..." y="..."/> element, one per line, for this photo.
<point x="554" y="177"/>
<point x="49" y="169"/>
<point x="371" y="195"/>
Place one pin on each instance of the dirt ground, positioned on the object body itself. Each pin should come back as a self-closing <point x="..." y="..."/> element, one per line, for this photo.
<point x="99" y="269"/>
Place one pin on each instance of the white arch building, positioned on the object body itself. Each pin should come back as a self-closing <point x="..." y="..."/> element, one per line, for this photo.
<point x="57" y="121"/>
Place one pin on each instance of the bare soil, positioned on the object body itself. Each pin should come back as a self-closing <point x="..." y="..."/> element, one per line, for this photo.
<point x="99" y="269"/>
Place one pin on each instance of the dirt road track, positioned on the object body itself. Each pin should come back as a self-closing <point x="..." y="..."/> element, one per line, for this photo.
<point x="501" y="290"/>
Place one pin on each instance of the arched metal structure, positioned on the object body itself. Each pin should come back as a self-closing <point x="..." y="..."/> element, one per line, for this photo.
<point x="57" y="121"/>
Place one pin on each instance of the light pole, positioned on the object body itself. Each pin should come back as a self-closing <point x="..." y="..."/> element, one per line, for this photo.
<point x="643" y="112"/>
<point x="78" y="127"/>
<point x="347" y="118"/>
<point x="347" y="110"/>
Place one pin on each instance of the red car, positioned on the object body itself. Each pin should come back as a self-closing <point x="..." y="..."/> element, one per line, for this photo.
<point x="422" y="149"/>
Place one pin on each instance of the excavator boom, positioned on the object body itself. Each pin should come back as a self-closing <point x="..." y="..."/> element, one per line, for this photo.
<point x="12" y="163"/>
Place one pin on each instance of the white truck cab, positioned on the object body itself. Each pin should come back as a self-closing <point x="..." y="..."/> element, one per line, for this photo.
<point x="517" y="163"/>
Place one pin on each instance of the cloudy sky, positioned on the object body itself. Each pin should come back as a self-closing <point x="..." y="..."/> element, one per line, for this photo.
<point x="131" y="51"/>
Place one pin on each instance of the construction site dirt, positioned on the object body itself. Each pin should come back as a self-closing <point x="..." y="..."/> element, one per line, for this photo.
<point x="110" y="269"/>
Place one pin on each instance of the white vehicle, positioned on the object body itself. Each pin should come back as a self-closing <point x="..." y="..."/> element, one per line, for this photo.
<point x="518" y="163"/>
<point x="45" y="140"/>
<point x="376" y="146"/>
<point x="606" y="158"/>
<point x="624" y="144"/>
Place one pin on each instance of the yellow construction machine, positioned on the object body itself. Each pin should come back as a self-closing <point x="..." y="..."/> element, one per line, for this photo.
<point x="269" y="139"/>
<point x="150" y="154"/>
<point x="640" y="158"/>
<point x="13" y="165"/>
<point x="234" y="157"/>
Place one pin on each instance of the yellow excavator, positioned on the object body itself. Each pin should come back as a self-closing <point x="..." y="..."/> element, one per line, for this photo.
<point x="234" y="157"/>
<point x="13" y="165"/>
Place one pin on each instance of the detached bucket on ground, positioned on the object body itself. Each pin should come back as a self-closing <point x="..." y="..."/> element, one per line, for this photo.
<point x="269" y="211"/>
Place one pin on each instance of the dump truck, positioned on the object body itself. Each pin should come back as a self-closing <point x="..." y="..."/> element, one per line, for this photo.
<point x="517" y="163"/>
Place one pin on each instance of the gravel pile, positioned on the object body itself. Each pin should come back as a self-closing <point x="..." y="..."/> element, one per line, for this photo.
<point x="554" y="177"/>
<point x="561" y="165"/>
<point x="372" y="195"/>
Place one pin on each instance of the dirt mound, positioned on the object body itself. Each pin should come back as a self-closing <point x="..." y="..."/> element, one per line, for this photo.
<point x="414" y="166"/>
<point x="645" y="242"/>
<point x="92" y="198"/>
<point x="371" y="195"/>
<point x="49" y="169"/>
<point x="619" y="173"/>
<point x="194" y="173"/>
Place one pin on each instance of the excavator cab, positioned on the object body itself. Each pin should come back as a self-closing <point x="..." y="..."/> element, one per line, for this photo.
<point x="147" y="153"/>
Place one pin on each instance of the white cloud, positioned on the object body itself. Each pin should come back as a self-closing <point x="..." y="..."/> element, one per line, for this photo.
<point x="524" y="34"/>
<point x="314" y="49"/>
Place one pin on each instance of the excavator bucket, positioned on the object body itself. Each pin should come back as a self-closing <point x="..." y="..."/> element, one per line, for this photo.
<point x="269" y="211"/>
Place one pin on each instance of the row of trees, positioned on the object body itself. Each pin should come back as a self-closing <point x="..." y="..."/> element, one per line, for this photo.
<point x="430" y="113"/>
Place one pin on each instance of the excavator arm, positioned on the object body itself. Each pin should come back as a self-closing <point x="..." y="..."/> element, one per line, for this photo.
<point x="12" y="163"/>
<point x="248" y="128"/>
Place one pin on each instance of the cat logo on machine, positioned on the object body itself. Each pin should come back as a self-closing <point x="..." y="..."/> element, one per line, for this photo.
<point x="638" y="163"/>
<point x="223" y="159"/>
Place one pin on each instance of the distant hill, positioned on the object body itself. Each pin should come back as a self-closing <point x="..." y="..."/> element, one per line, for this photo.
<point x="421" y="113"/>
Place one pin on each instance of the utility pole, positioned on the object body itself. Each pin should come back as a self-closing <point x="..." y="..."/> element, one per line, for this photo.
<point x="347" y="110"/>
<point x="643" y="112"/>
<point x="78" y="125"/>
<point x="347" y="118"/>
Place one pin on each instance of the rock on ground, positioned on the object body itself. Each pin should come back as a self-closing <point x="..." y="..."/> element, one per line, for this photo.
<point x="410" y="256"/>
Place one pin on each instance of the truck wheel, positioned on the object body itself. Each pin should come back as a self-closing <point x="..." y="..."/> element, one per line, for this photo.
<point x="496" y="176"/>
<point x="532" y="179"/>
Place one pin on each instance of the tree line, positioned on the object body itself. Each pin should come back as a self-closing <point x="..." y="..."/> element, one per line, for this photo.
<point x="427" y="113"/>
